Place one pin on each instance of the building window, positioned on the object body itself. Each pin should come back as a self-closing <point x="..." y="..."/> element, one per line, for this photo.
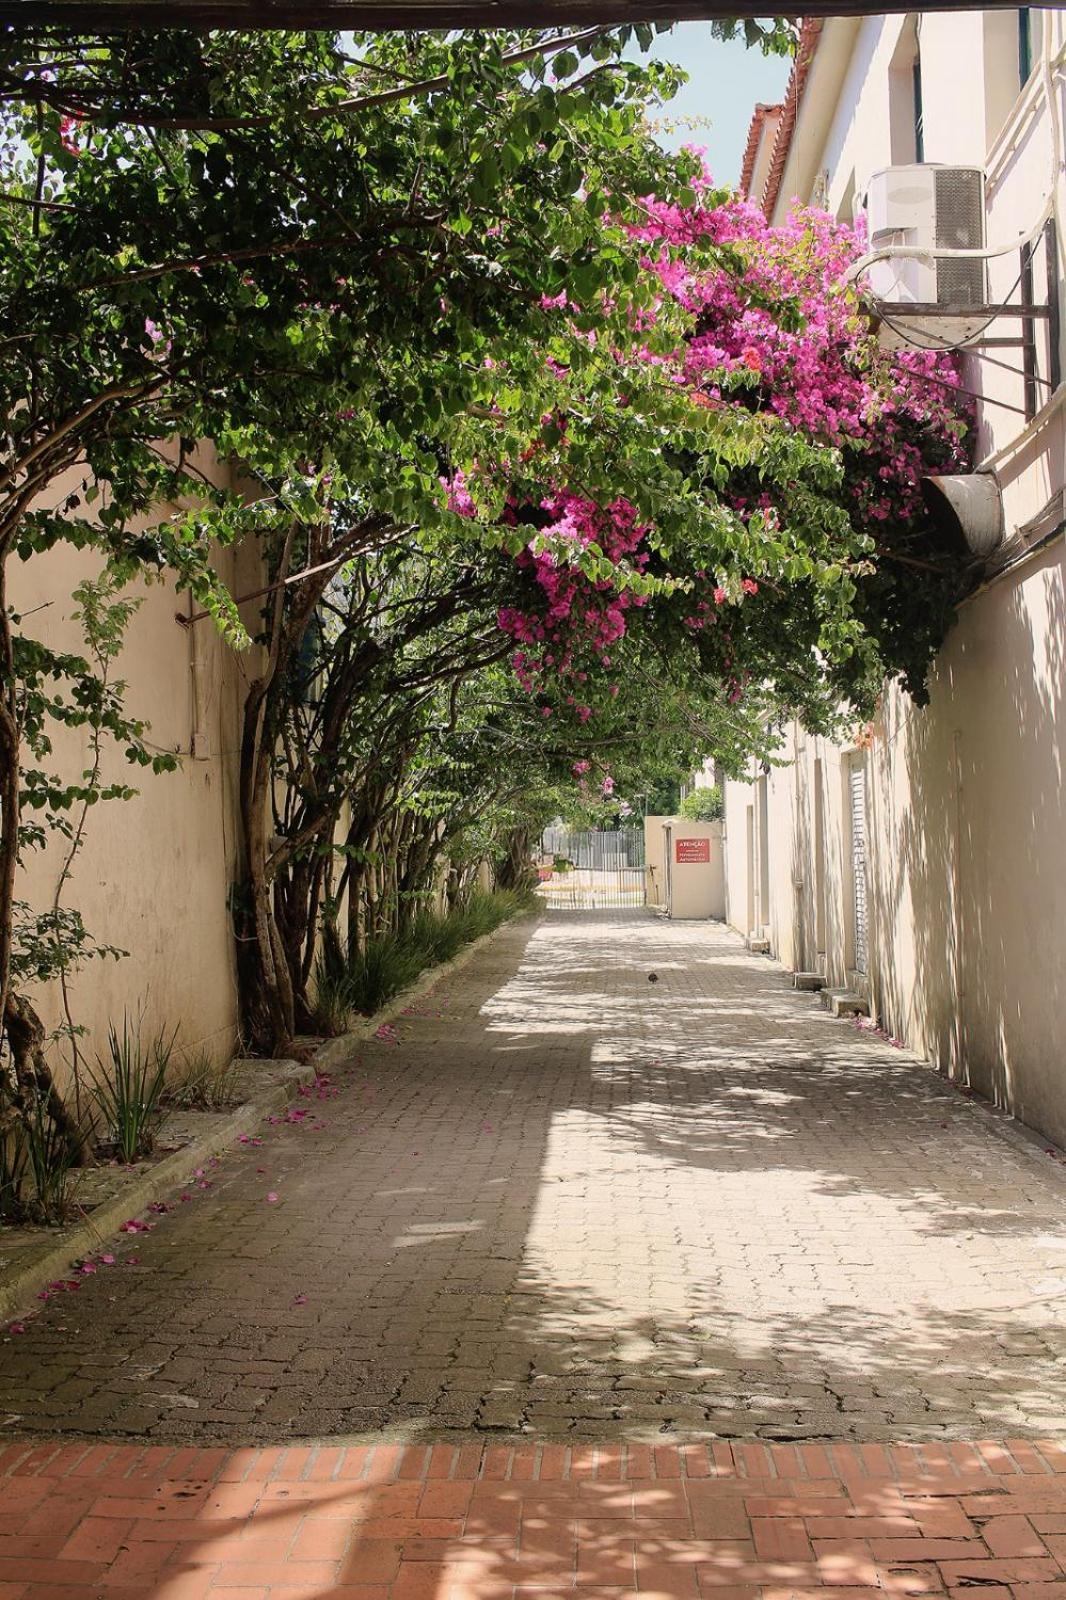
<point x="1025" y="45"/>
<point x="906" y="142"/>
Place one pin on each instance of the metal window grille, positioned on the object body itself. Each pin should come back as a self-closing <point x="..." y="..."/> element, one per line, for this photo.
<point x="858" y="863"/>
<point x="960" y="203"/>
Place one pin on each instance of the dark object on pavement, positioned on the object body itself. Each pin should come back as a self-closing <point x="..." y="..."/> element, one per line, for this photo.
<point x="653" y="977"/>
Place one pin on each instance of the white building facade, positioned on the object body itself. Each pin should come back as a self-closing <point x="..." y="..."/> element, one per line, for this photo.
<point x="922" y="867"/>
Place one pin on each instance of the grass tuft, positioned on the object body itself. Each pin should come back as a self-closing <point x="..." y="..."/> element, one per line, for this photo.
<point x="128" y="1085"/>
<point x="383" y="966"/>
<point x="204" y="1084"/>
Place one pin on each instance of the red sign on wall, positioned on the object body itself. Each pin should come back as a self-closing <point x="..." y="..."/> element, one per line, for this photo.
<point x="693" y="850"/>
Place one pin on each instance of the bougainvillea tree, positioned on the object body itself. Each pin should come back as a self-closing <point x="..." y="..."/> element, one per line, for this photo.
<point x="822" y="573"/>
<point x="315" y="257"/>
<point x="750" y="429"/>
<point x="419" y="293"/>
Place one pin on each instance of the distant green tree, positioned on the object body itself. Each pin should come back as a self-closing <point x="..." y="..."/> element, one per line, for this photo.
<point x="703" y="805"/>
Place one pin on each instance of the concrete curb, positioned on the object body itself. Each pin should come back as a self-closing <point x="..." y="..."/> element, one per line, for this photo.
<point x="21" y="1280"/>
<point x="339" y="1050"/>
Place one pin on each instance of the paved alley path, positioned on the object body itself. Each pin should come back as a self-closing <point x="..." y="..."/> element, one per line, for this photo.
<point x="569" y="1202"/>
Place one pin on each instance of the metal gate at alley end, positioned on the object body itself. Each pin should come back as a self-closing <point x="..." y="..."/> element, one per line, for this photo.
<point x="591" y="870"/>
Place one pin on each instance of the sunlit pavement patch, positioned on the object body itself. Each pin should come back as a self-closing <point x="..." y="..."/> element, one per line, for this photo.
<point x="478" y="1522"/>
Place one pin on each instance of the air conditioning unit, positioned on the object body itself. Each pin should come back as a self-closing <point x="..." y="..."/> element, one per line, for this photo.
<point x="929" y="207"/>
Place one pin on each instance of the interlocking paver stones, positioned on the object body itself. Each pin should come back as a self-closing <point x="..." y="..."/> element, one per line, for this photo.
<point x="705" y="1522"/>
<point x="570" y="1203"/>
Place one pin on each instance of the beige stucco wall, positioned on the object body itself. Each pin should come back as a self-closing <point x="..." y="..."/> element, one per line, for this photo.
<point x="154" y="873"/>
<point x="966" y="821"/>
<point x="655" y="860"/>
<point x="696" y="888"/>
<point x="684" y="890"/>
<point x="966" y="856"/>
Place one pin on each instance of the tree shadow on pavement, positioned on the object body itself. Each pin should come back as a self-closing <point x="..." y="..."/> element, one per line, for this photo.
<point x="563" y="1207"/>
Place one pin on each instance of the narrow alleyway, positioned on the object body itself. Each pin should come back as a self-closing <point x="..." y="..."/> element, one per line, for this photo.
<point x="562" y="1200"/>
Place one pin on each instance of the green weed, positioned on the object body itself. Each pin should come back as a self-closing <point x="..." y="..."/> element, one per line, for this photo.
<point x="387" y="963"/>
<point x="129" y="1083"/>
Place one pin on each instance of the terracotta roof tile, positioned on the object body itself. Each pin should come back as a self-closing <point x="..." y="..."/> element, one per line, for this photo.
<point x="810" y="33"/>
<point x="760" y="117"/>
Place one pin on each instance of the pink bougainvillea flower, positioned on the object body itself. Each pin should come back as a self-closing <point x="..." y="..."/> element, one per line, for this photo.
<point x="272" y="1198"/>
<point x="161" y="345"/>
<point x="87" y="1267"/>
<point x="749" y="586"/>
<point x="108" y="1260"/>
<point x="159" y="1207"/>
<point x="300" y="1300"/>
<point x="16" y="1327"/>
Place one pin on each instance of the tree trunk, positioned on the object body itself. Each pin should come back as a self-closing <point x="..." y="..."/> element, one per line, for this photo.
<point x="514" y="869"/>
<point x="10" y="753"/>
<point x="32" y="1077"/>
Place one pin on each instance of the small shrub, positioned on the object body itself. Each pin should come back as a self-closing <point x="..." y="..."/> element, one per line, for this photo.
<point x="440" y="937"/>
<point x="35" y="1168"/>
<point x="333" y="1005"/>
<point x="204" y="1084"/>
<point x="387" y="963"/>
<point x="703" y="805"/>
<point x="128" y="1085"/>
<point x="49" y="1156"/>
<point x="380" y="968"/>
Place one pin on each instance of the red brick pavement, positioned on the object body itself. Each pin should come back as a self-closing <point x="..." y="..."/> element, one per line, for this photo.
<point x="718" y="1521"/>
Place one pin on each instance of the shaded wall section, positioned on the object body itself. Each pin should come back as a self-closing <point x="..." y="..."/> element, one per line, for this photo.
<point x="154" y="874"/>
<point x="966" y="852"/>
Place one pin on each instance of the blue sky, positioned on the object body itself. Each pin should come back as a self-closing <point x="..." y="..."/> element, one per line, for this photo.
<point x="725" y="81"/>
